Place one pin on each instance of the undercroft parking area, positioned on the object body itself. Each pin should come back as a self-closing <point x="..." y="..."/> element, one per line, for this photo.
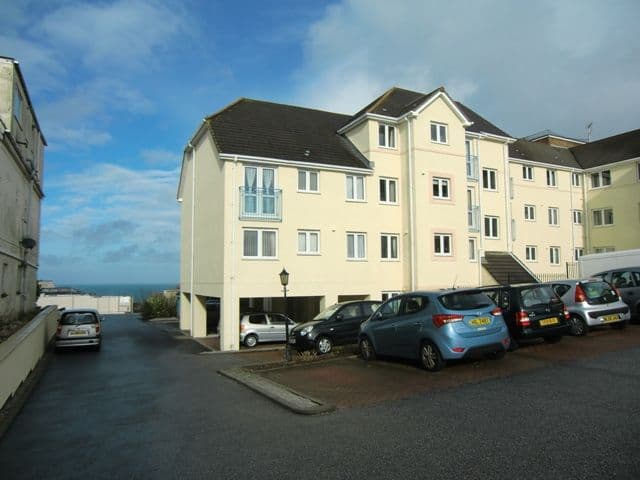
<point x="348" y="381"/>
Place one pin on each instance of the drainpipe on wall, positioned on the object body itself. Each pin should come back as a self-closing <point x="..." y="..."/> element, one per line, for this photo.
<point x="27" y="233"/>
<point x="508" y="199"/>
<point x="480" y="216"/>
<point x="193" y="227"/>
<point x="234" y="224"/>
<point x="412" y="245"/>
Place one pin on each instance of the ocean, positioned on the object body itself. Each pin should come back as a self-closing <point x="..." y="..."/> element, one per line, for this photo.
<point x="139" y="291"/>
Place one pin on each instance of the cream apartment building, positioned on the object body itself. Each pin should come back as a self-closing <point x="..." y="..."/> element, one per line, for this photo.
<point x="415" y="191"/>
<point x="21" y="165"/>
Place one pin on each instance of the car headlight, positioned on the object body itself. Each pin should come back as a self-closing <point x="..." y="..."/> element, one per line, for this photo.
<point x="306" y="331"/>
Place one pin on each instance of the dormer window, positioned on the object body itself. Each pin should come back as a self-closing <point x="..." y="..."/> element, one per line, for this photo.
<point x="438" y="132"/>
<point x="386" y="135"/>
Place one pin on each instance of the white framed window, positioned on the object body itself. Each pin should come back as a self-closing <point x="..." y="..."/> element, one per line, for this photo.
<point x="473" y="250"/>
<point x="389" y="246"/>
<point x="356" y="246"/>
<point x="530" y="212"/>
<point x="577" y="217"/>
<point x="603" y="249"/>
<point x="355" y="188"/>
<point x="441" y="188"/>
<point x="3" y="279"/>
<point x="491" y="227"/>
<point x="386" y="135"/>
<point x="554" y="255"/>
<point x="438" y="132"/>
<point x="553" y="215"/>
<point x="442" y="244"/>
<point x="602" y="216"/>
<point x="531" y="253"/>
<point x="388" y="190"/>
<point x="308" y="242"/>
<point x="489" y="179"/>
<point x="387" y="295"/>
<point x="308" y="181"/>
<point x="260" y="243"/>
<point x="601" y="179"/>
<point x="577" y="253"/>
<point x="552" y="181"/>
<point x="576" y="179"/>
<point x="527" y="172"/>
<point x="638" y="171"/>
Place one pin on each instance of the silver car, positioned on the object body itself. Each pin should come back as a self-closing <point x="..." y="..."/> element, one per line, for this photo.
<point x="79" y="327"/>
<point x="591" y="302"/>
<point x="263" y="327"/>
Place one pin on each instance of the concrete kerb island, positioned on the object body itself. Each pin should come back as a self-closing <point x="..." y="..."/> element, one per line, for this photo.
<point x="286" y="397"/>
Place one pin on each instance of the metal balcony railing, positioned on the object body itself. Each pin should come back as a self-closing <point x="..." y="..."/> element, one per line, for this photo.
<point x="473" y="219"/>
<point x="261" y="204"/>
<point x="472" y="167"/>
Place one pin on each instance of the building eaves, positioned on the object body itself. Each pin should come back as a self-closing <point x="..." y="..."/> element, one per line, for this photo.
<point x="617" y="148"/>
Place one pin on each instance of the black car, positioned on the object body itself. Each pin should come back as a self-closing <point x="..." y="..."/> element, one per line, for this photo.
<point x="337" y="325"/>
<point x="530" y="310"/>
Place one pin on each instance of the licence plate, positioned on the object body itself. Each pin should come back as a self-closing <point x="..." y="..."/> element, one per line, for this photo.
<point x="548" y="321"/>
<point x="78" y="333"/>
<point x="292" y="340"/>
<point x="610" y="318"/>
<point x="476" y="322"/>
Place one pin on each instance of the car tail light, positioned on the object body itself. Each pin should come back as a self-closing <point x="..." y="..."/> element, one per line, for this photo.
<point x="97" y="328"/>
<point x="59" y="329"/>
<point x="458" y="349"/>
<point x="522" y="318"/>
<point x="617" y="290"/>
<point x="496" y="311"/>
<point x="440" y="319"/>
<point x="580" y="295"/>
<point x="566" y="313"/>
<point x="242" y="327"/>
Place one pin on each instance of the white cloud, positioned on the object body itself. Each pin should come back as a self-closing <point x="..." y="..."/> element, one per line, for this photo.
<point x="160" y="157"/>
<point x="524" y="65"/>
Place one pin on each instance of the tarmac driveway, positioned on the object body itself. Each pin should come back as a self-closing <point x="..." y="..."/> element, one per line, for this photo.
<point x="351" y="382"/>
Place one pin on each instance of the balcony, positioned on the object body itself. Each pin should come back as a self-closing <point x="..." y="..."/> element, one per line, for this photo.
<point x="472" y="168"/>
<point x="261" y="204"/>
<point x="473" y="219"/>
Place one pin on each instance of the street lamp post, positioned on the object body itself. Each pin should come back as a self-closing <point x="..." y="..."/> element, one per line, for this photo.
<point x="284" y="281"/>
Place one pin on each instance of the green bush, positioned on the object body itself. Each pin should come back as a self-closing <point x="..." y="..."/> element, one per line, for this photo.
<point x="159" y="306"/>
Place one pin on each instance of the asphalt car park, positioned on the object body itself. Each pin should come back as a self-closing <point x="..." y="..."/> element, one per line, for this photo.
<point x="348" y="381"/>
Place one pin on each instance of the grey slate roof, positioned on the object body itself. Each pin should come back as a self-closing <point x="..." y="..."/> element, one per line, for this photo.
<point x="480" y="124"/>
<point x="272" y="130"/>
<point x="608" y="150"/>
<point x="543" y="153"/>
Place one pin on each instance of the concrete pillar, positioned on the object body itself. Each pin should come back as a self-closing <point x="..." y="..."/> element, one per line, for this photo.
<point x="229" y="326"/>
<point x="199" y="316"/>
<point x="185" y="311"/>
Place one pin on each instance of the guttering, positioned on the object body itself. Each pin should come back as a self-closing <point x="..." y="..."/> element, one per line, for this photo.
<point x="491" y="136"/>
<point x="412" y="229"/>
<point x="293" y="163"/>
<point x="368" y="116"/>
<point x="533" y="163"/>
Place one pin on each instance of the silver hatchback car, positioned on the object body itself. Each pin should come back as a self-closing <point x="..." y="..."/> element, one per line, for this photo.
<point x="79" y="327"/>
<point x="591" y="302"/>
<point x="263" y="327"/>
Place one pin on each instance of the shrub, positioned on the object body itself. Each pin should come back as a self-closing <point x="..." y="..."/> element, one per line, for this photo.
<point x="159" y="306"/>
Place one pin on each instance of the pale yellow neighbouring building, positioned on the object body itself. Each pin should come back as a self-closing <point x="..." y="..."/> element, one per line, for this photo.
<point x="21" y="191"/>
<point x="415" y="191"/>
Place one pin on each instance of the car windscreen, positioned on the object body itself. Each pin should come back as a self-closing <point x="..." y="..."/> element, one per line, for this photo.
<point x="78" y="319"/>
<point x="469" y="300"/>
<point x="599" y="292"/>
<point x="538" y="296"/>
<point x="327" y="312"/>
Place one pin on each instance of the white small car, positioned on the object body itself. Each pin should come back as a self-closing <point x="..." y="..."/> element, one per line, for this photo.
<point x="79" y="327"/>
<point x="263" y="327"/>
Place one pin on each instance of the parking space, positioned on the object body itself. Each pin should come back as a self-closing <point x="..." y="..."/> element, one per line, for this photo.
<point x="350" y="382"/>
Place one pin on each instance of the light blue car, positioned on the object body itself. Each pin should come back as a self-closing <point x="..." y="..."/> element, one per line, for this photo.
<point x="435" y="326"/>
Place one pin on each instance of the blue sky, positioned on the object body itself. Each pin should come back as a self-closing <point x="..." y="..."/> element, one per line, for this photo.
<point x="120" y="86"/>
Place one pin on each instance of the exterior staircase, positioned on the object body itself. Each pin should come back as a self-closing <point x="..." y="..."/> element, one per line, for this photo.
<point x="506" y="268"/>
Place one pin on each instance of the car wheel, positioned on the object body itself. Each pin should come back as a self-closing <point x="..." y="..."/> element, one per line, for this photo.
<point x="620" y="325"/>
<point x="250" y="341"/>
<point x="430" y="357"/>
<point x="367" y="352"/>
<point x="578" y="326"/>
<point x="553" y="339"/>
<point x="497" y="355"/>
<point x="324" y="345"/>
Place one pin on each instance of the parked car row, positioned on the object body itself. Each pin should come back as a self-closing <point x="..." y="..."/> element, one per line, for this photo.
<point x="436" y="326"/>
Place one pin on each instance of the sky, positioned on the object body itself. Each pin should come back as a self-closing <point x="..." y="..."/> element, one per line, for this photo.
<point x="120" y="86"/>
